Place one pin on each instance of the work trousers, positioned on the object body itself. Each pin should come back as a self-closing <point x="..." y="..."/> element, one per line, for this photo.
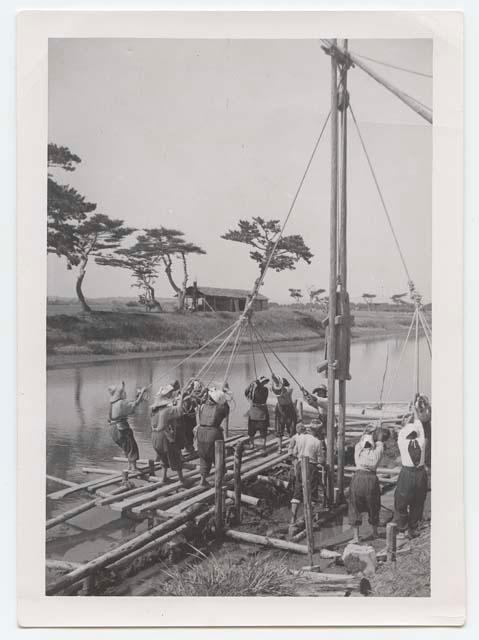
<point x="410" y="496"/>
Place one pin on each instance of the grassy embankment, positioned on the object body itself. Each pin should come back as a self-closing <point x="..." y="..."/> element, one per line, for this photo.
<point x="112" y="333"/>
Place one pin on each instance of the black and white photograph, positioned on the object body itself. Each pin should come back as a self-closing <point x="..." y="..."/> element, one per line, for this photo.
<point x="239" y="317"/>
<point x="236" y="239"/>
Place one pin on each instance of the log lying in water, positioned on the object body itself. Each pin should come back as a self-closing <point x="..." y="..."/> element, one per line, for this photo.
<point x="62" y="565"/>
<point x="65" y="483"/>
<point x="86" y="506"/>
<point x="243" y="536"/>
<point x="100" y="471"/>
<point x="121" y="551"/>
<point x="93" y="485"/>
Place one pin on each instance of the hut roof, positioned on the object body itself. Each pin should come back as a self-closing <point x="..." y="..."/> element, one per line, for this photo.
<point x="219" y="292"/>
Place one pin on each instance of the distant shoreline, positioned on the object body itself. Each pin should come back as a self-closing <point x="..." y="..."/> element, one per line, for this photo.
<point x="63" y="361"/>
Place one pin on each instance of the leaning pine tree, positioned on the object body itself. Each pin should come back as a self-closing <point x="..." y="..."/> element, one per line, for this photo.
<point x="261" y="236"/>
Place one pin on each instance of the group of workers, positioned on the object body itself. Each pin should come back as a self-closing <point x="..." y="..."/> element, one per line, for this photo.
<point x="178" y="416"/>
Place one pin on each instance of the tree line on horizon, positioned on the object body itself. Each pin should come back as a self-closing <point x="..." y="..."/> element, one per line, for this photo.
<point x="78" y="233"/>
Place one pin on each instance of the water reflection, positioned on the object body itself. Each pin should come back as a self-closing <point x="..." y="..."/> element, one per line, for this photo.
<point x="77" y="401"/>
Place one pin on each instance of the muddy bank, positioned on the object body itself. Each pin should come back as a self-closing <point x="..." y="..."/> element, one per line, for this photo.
<point x="104" y="336"/>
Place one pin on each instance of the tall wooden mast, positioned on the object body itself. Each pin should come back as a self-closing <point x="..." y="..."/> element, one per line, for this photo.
<point x="343" y="372"/>
<point x="331" y="345"/>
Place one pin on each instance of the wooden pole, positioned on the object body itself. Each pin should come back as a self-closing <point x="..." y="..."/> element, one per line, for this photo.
<point x="219" y="471"/>
<point x="391" y="533"/>
<point x="416" y="368"/>
<point x="237" y="480"/>
<point x="416" y="106"/>
<point x="299" y="410"/>
<point x="308" y="514"/>
<point x="333" y="272"/>
<point x="115" y="554"/>
<point x="343" y="266"/>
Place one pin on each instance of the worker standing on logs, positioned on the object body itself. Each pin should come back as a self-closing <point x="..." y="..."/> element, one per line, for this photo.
<point x="318" y="399"/>
<point x="412" y="485"/>
<point x="211" y="415"/>
<point x="285" y="412"/>
<point x="312" y="446"/>
<point x="364" y="490"/>
<point x="258" y="414"/>
<point x="167" y="434"/>
<point x="121" y="432"/>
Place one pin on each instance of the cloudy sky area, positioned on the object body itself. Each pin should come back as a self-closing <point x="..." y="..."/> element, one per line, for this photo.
<point x="196" y="134"/>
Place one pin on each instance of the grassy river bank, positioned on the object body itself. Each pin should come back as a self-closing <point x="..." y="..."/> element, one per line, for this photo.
<point x="103" y="335"/>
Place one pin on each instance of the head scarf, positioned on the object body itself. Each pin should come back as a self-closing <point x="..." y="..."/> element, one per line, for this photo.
<point x="117" y="392"/>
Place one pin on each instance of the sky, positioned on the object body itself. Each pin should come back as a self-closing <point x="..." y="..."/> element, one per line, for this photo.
<point x="196" y="134"/>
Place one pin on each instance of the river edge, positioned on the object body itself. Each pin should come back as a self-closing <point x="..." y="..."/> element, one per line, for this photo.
<point x="62" y="361"/>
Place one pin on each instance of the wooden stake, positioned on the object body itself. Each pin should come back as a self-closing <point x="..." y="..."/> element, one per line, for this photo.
<point x="391" y="534"/>
<point x="308" y="514"/>
<point x="219" y="471"/>
<point x="237" y="481"/>
<point x="151" y="465"/>
<point x="333" y="274"/>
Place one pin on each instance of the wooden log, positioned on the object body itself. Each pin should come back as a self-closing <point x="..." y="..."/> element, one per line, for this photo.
<point x="237" y="481"/>
<point x="92" y="485"/>
<point x="65" y="483"/>
<point x="275" y="543"/>
<point x="62" y="565"/>
<point x="277" y="482"/>
<point x="121" y="551"/>
<point x="100" y="471"/>
<point x="169" y="488"/>
<point x="329" y="578"/>
<point x="308" y="515"/>
<point x="219" y="473"/>
<point x="150" y="546"/>
<point x="207" y="495"/>
<point x="86" y="506"/>
<point x="391" y="545"/>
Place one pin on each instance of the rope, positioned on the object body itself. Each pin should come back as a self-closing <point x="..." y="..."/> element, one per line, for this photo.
<point x="421" y="318"/>
<point x="194" y="353"/>
<point x="252" y="350"/>
<point x="280" y="361"/>
<point x="217" y="361"/>
<point x="233" y="352"/>
<point x="384" y="376"/>
<point x="213" y="357"/>
<point x="262" y="351"/>
<point x="388" y="395"/>
<point x="380" y="195"/>
<point x="393" y="66"/>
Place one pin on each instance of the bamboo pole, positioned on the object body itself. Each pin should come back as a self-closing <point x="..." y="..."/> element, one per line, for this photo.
<point x="308" y="515"/>
<point x="219" y="473"/>
<point x="117" y="553"/>
<point x="333" y="274"/>
<point x="416" y="356"/>
<point x="282" y="484"/>
<point x="237" y="481"/>
<point x="275" y="543"/>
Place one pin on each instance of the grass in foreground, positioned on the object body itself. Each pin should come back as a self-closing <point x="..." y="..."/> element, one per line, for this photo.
<point x="258" y="575"/>
<point x="412" y="575"/>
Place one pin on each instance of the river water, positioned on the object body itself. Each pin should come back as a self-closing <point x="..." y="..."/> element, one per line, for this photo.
<point x="77" y="399"/>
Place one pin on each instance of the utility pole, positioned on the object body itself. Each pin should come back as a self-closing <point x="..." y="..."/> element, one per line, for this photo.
<point x="333" y="273"/>
<point x="343" y="373"/>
